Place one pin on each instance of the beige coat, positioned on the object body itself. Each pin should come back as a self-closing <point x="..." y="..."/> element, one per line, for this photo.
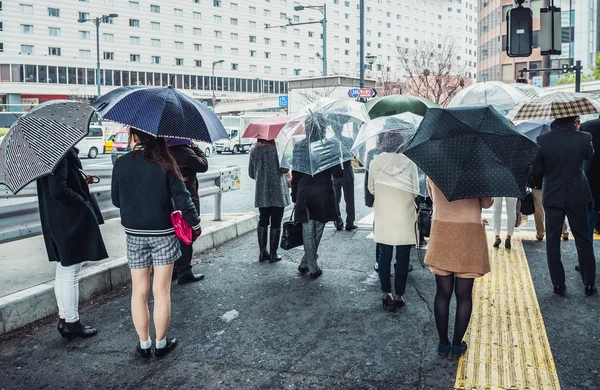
<point x="393" y="180"/>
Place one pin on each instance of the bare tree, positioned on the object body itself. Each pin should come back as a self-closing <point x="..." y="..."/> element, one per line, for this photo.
<point x="432" y="71"/>
<point x="314" y="94"/>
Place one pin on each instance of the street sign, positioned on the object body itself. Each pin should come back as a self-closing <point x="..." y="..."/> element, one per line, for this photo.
<point x="537" y="81"/>
<point x="283" y="101"/>
<point x="356" y="93"/>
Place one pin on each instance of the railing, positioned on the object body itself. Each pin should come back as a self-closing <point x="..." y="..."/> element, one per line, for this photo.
<point x="21" y="219"/>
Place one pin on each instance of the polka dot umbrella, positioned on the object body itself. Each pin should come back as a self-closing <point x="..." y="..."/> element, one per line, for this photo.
<point x="38" y="141"/>
<point x="472" y="152"/>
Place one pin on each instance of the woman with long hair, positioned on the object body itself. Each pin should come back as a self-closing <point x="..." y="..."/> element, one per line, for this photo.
<point x="271" y="196"/>
<point x="145" y="185"/>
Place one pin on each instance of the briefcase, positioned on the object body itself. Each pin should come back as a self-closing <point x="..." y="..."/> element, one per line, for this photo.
<point x="291" y="234"/>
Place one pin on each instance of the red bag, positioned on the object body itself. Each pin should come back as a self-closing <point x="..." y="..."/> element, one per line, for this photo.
<point x="182" y="228"/>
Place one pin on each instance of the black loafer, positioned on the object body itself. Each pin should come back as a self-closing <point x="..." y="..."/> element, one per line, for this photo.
<point x="144" y="353"/>
<point x="302" y="269"/>
<point x="497" y="243"/>
<point x="339" y="225"/>
<point x="162" y="352"/>
<point x="560" y="290"/>
<point x="315" y="275"/>
<point x="190" y="278"/>
<point x="351" y="227"/>
<point x="590" y="290"/>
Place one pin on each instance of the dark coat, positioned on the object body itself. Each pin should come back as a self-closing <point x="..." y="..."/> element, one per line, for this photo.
<point x="191" y="161"/>
<point x="593" y="164"/>
<point x="70" y="216"/>
<point x="369" y="198"/>
<point x="314" y="195"/>
<point x="347" y="165"/>
<point x="560" y="162"/>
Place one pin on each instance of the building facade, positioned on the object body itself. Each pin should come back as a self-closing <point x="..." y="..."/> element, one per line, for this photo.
<point x="579" y="32"/>
<point x="46" y="54"/>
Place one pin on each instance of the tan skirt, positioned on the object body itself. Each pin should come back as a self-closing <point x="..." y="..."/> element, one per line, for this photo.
<point x="459" y="248"/>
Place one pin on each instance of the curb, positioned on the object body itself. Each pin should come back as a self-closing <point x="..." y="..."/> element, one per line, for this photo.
<point x="35" y="303"/>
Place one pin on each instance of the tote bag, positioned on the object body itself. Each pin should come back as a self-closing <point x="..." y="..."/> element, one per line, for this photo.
<point x="291" y="234"/>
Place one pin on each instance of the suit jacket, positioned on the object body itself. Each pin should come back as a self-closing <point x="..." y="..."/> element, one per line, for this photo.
<point x="347" y="142"/>
<point x="191" y="161"/>
<point x="560" y="162"/>
<point x="592" y="166"/>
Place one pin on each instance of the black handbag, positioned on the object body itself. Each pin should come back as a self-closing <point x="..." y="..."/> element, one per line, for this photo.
<point x="291" y="234"/>
<point x="527" y="204"/>
<point x="424" y="215"/>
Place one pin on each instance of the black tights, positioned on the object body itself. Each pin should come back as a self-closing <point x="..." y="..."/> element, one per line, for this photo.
<point x="463" y="289"/>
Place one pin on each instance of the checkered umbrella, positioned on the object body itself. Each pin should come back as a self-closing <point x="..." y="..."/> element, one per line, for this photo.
<point x="38" y="140"/>
<point x="556" y="105"/>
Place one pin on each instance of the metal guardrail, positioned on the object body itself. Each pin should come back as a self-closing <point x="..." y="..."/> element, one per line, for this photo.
<point x="22" y="219"/>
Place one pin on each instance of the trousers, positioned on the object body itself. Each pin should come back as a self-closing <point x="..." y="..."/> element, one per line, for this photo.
<point x="577" y="216"/>
<point x="66" y="290"/>
<point x="183" y="265"/>
<point x="385" y="265"/>
<point x="511" y="215"/>
<point x="348" y="188"/>
<point x="312" y="232"/>
<point x="270" y="216"/>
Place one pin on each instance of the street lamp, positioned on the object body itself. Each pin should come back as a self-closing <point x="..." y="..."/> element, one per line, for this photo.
<point x="97" y="21"/>
<point x="214" y="97"/>
<point x="323" y="22"/>
<point x="370" y="60"/>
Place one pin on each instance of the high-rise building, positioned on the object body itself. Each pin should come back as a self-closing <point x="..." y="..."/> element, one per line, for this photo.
<point x="579" y="29"/>
<point x="46" y="53"/>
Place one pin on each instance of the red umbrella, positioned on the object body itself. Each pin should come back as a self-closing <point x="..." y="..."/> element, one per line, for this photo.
<point x="267" y="128"/>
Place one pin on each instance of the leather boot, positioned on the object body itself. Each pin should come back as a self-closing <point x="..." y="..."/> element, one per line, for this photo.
<point x="77" y="329"/>
<point x="274" y="241"/>
<point x="262" y="244"/>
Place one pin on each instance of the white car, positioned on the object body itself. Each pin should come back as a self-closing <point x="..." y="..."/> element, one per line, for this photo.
<point x="93" y="143"/>
<point x="205" y="147"/>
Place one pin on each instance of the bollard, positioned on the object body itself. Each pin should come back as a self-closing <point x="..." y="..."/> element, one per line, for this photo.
<point x="218" y="201"/>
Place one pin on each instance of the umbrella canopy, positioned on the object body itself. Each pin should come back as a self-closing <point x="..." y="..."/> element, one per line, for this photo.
<point x="472" y="152"/>
<point x="530" y="90"/>
<point x="322" y="137"/>
<point x="397" y="104"/>
<point x="556" y="105"/>
<point x="501" y="96"/>
<point x="162" y="112"/>
<point x="533" y="129"/>
<point x="267" y="128"/>
<point x="38" y="140"/>
<point x="385" y="138"/>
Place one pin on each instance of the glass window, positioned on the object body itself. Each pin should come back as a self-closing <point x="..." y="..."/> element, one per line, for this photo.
<point x="125" y="78"/>
<point x="72" y="75"/>
<point x="157" y="79"/>
<point x="85" y="54"/>
<point x="108" y="79"/>
<point x="55" y="12"/>
<point x="80" y="75"/>
<point x="186" y="81"/>
<point x="155" y="42"/>
<point x="134" y="23"/>
<point x="179" y="29"/>
<point x="193" y="82"/>
<point x="91" y="76"/>
<point x="62" y="74"/>
<point x="197" y="15"/>
<point x="134" y="40"/>
<point x="225" y="83"/>
<point x="84" y="35"/>
<point x="26" y="29"/>
<point x="134" y="58"/>
<point x="207" y="83"/>
<point x="165" y="79"/>
<point x="178" y="12"/>
<point x="54" y="51"/>
<point x="179" y="79"/>
<point x="27" y="49"/>
<point x="156" y="59"/>
<point x="31" y="74"/>
<point x="26" y="9"/>
<point x="54" y="31"/>
<point x="231" y="84"/>
<point x="117" y="78"/>
<point x="52" y="75"/>
<point x="155" y="8"/>
<point x="42" y="74"/>
<point x="134" y="5"/>
<point x="133" y="78"/>
<point x="155" y="25"/>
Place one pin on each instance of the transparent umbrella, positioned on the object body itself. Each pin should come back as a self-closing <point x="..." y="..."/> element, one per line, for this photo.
<point x="322" y="137"/>
<point x="530" y="90"/>
<point x="380" y="145"/>
<point x="501" y="96"/>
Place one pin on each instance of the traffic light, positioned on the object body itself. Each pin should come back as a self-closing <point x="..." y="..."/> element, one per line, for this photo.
<point x="519" y="42"/>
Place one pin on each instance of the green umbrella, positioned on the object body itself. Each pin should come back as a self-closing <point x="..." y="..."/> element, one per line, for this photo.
<point x="397" y="104"/>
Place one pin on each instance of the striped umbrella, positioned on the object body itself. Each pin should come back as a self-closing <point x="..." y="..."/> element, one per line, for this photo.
<point x="556" y="105"/>
<point x="162" y="112"/>
<point x="38" y="141"/>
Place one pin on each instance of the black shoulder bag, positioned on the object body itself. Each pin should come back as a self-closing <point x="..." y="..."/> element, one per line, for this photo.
<point x="291" y="233"/>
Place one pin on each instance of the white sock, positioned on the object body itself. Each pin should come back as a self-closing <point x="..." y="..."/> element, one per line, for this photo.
<point x="146" y="344"/>
<point x="161" y="343"/>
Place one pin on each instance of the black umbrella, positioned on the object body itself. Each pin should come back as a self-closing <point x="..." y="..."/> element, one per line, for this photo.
<point x="472" y="152"/>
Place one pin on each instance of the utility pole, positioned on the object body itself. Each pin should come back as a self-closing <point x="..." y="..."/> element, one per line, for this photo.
<point x="362" y="43"/>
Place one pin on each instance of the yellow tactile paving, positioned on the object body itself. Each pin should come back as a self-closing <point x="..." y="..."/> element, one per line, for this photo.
<point x="508" y="345"/>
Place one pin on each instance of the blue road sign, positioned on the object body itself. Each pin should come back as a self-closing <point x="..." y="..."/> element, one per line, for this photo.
<point x="361" y="93"/>
<point x="283" y="101"/>
<point x="354" y="93"/>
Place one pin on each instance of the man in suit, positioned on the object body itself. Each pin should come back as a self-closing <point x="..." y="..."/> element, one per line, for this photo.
<point x="592" y="171"/>
<point x="566" y="192"/>
<point x="345" y="183"/>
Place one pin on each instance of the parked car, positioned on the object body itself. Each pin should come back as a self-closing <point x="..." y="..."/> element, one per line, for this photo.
<point x="93" y="143"/>
<point x="120" y="144"/>
<point x="108" y="143"/>
<point x="206" y="148"/>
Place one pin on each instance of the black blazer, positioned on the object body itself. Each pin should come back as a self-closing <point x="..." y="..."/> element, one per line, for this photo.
<point x="592" y="170"/>
<point x="191" y="161"/>
<point x="560" y="162"/>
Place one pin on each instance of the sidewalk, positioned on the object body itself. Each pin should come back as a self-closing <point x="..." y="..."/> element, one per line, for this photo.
<point x="26" y="281"/>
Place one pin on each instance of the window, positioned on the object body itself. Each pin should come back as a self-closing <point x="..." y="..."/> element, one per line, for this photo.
<point x="197" y="15"/>
<point x="267" y="54"/>
<point x="108" y="37"/>
<point x="284" y="57"/>
<point x="156" y="59"/>
<point x="54" y="51"/>
<point x="26" y="9"/>
<point x="296" y="45"/>
<point x="134" y="58"/>
<point x="1" y="24"/>
<point x="218" y="34"/>
<point x="178" y="61"/>
<point x="297" y="72"/>
<point x="155" y="42"/>
<point x="234" y="36"/>
<point x="155" y="25"/>
<point x="179" y="29"/>
<point x="197" y="47"/>
<point x="134" y="40"/>
<point x="283" y="43"/>
<point x="178" y="12"/>
<point x="234" y="66"/>
<point x="2" y="48"/>
<point x="252" y="68"/>
<point x="134" y="5"/>
<point x="235" y="52"/>
<point x="179" y="45"/>
<point x="234" y="21"/>
<point x="198" y="63"/>
<point x="85" y="54"/>
<point x="134" y="23"/>
<point x="27" y="49"/>
<point x="296" y="58"/>
<point x="217" y="3"/>
<point x="252" y="38"/>
<point x="267" y="41"/>
<point x="155" y="8"/>
<point x="252" y="10"/>
<point x="110" y="56"/>
<point x="84" y="15"/>
<point x="54" y="12"/>
<point x="27" y="29"/>
<point x="267" y="12"/>
<point x="252" y="24"/>
<point x="108" y="2"/>
<point x="218" y="50"/>
<point x="234" y="6"/>
<point x="267" y="69"/>
<point x="218" y="19"/>
<point x="197" y="31"/>
<point x="54" y="31"/>
<point x="283" y="71"/>
<point x="252" y="53"/>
